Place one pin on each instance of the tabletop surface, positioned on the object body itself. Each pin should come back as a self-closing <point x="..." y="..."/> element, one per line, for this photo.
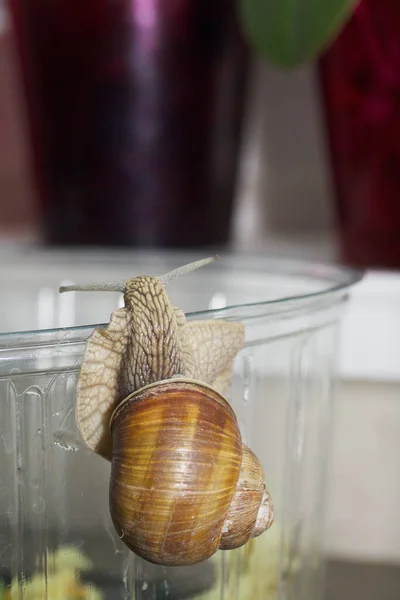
<point x="361" y="581"/>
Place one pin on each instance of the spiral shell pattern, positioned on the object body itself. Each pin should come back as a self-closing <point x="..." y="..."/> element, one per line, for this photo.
<point x="177" y="455"/>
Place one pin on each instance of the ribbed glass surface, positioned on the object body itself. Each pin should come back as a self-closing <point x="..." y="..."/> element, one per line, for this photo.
<point x="57" y="540"/>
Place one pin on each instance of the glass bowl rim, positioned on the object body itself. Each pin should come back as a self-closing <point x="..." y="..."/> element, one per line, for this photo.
<point x="338" y="278"/>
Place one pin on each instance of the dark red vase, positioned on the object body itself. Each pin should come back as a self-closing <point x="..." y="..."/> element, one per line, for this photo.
<point x="135" y="111"/>
<point x="360" y="79"/>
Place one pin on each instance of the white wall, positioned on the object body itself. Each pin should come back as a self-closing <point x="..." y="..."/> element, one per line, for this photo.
<point x="365" y="493"/>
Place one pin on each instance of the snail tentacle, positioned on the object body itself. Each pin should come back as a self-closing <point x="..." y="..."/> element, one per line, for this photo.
<point x="187" y="269"/>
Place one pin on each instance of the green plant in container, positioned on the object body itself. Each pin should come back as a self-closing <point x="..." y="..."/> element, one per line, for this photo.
<point x="289" y="33"/>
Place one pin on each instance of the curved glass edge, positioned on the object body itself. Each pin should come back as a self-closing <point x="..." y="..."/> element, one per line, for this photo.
<point x="61" y="350"/>
<point x="340" y="279"/>
<point x="335" y="275"/>
<point x="243" y="312"/>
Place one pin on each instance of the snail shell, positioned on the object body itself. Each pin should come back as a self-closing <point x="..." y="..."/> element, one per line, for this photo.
<point x="182" y="484"/>
<point x="250" y="512"/>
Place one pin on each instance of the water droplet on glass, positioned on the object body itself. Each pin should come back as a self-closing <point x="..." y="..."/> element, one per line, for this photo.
<point x="7" y="444"/>
<point x="39" y="506"/>
<point x="3" y="488"/>
<point x="35" y="483"/>
<point x="34" y="393"/>
<point x="66" y="440"/>
<point x="247" y="373"/>
<point x="167" y="588"/>
<point x="145" y="586"/>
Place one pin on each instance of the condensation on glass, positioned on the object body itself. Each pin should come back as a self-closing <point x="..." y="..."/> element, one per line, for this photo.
<point x="56" y="535"/>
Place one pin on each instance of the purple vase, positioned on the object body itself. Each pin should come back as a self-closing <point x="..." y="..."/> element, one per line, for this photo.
<point x="360" y="77"/>
<point x="135" y="110"/>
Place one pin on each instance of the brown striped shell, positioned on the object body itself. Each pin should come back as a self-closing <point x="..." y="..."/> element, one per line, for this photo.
<point x="182" y="484"/>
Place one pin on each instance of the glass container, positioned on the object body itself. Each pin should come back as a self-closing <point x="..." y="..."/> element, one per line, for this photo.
<point x="56" y="535"/>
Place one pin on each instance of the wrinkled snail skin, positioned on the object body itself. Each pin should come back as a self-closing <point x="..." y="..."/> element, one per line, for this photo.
<point x="154" y="328"/>
<point x="182" y="484"/>
<point x="146" y="341"/>
<point x="150" y="399"/>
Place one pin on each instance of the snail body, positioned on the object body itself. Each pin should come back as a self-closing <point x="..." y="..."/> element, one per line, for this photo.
<point x="150" y="399"/>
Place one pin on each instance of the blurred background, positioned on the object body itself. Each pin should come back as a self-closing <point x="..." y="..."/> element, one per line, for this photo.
<point x="182" y="137"/>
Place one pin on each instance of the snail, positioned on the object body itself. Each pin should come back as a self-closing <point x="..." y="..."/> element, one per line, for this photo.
<point x="150" y="399"/>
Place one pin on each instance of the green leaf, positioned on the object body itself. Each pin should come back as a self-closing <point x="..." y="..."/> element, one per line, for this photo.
<point x="291" y="32"/>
